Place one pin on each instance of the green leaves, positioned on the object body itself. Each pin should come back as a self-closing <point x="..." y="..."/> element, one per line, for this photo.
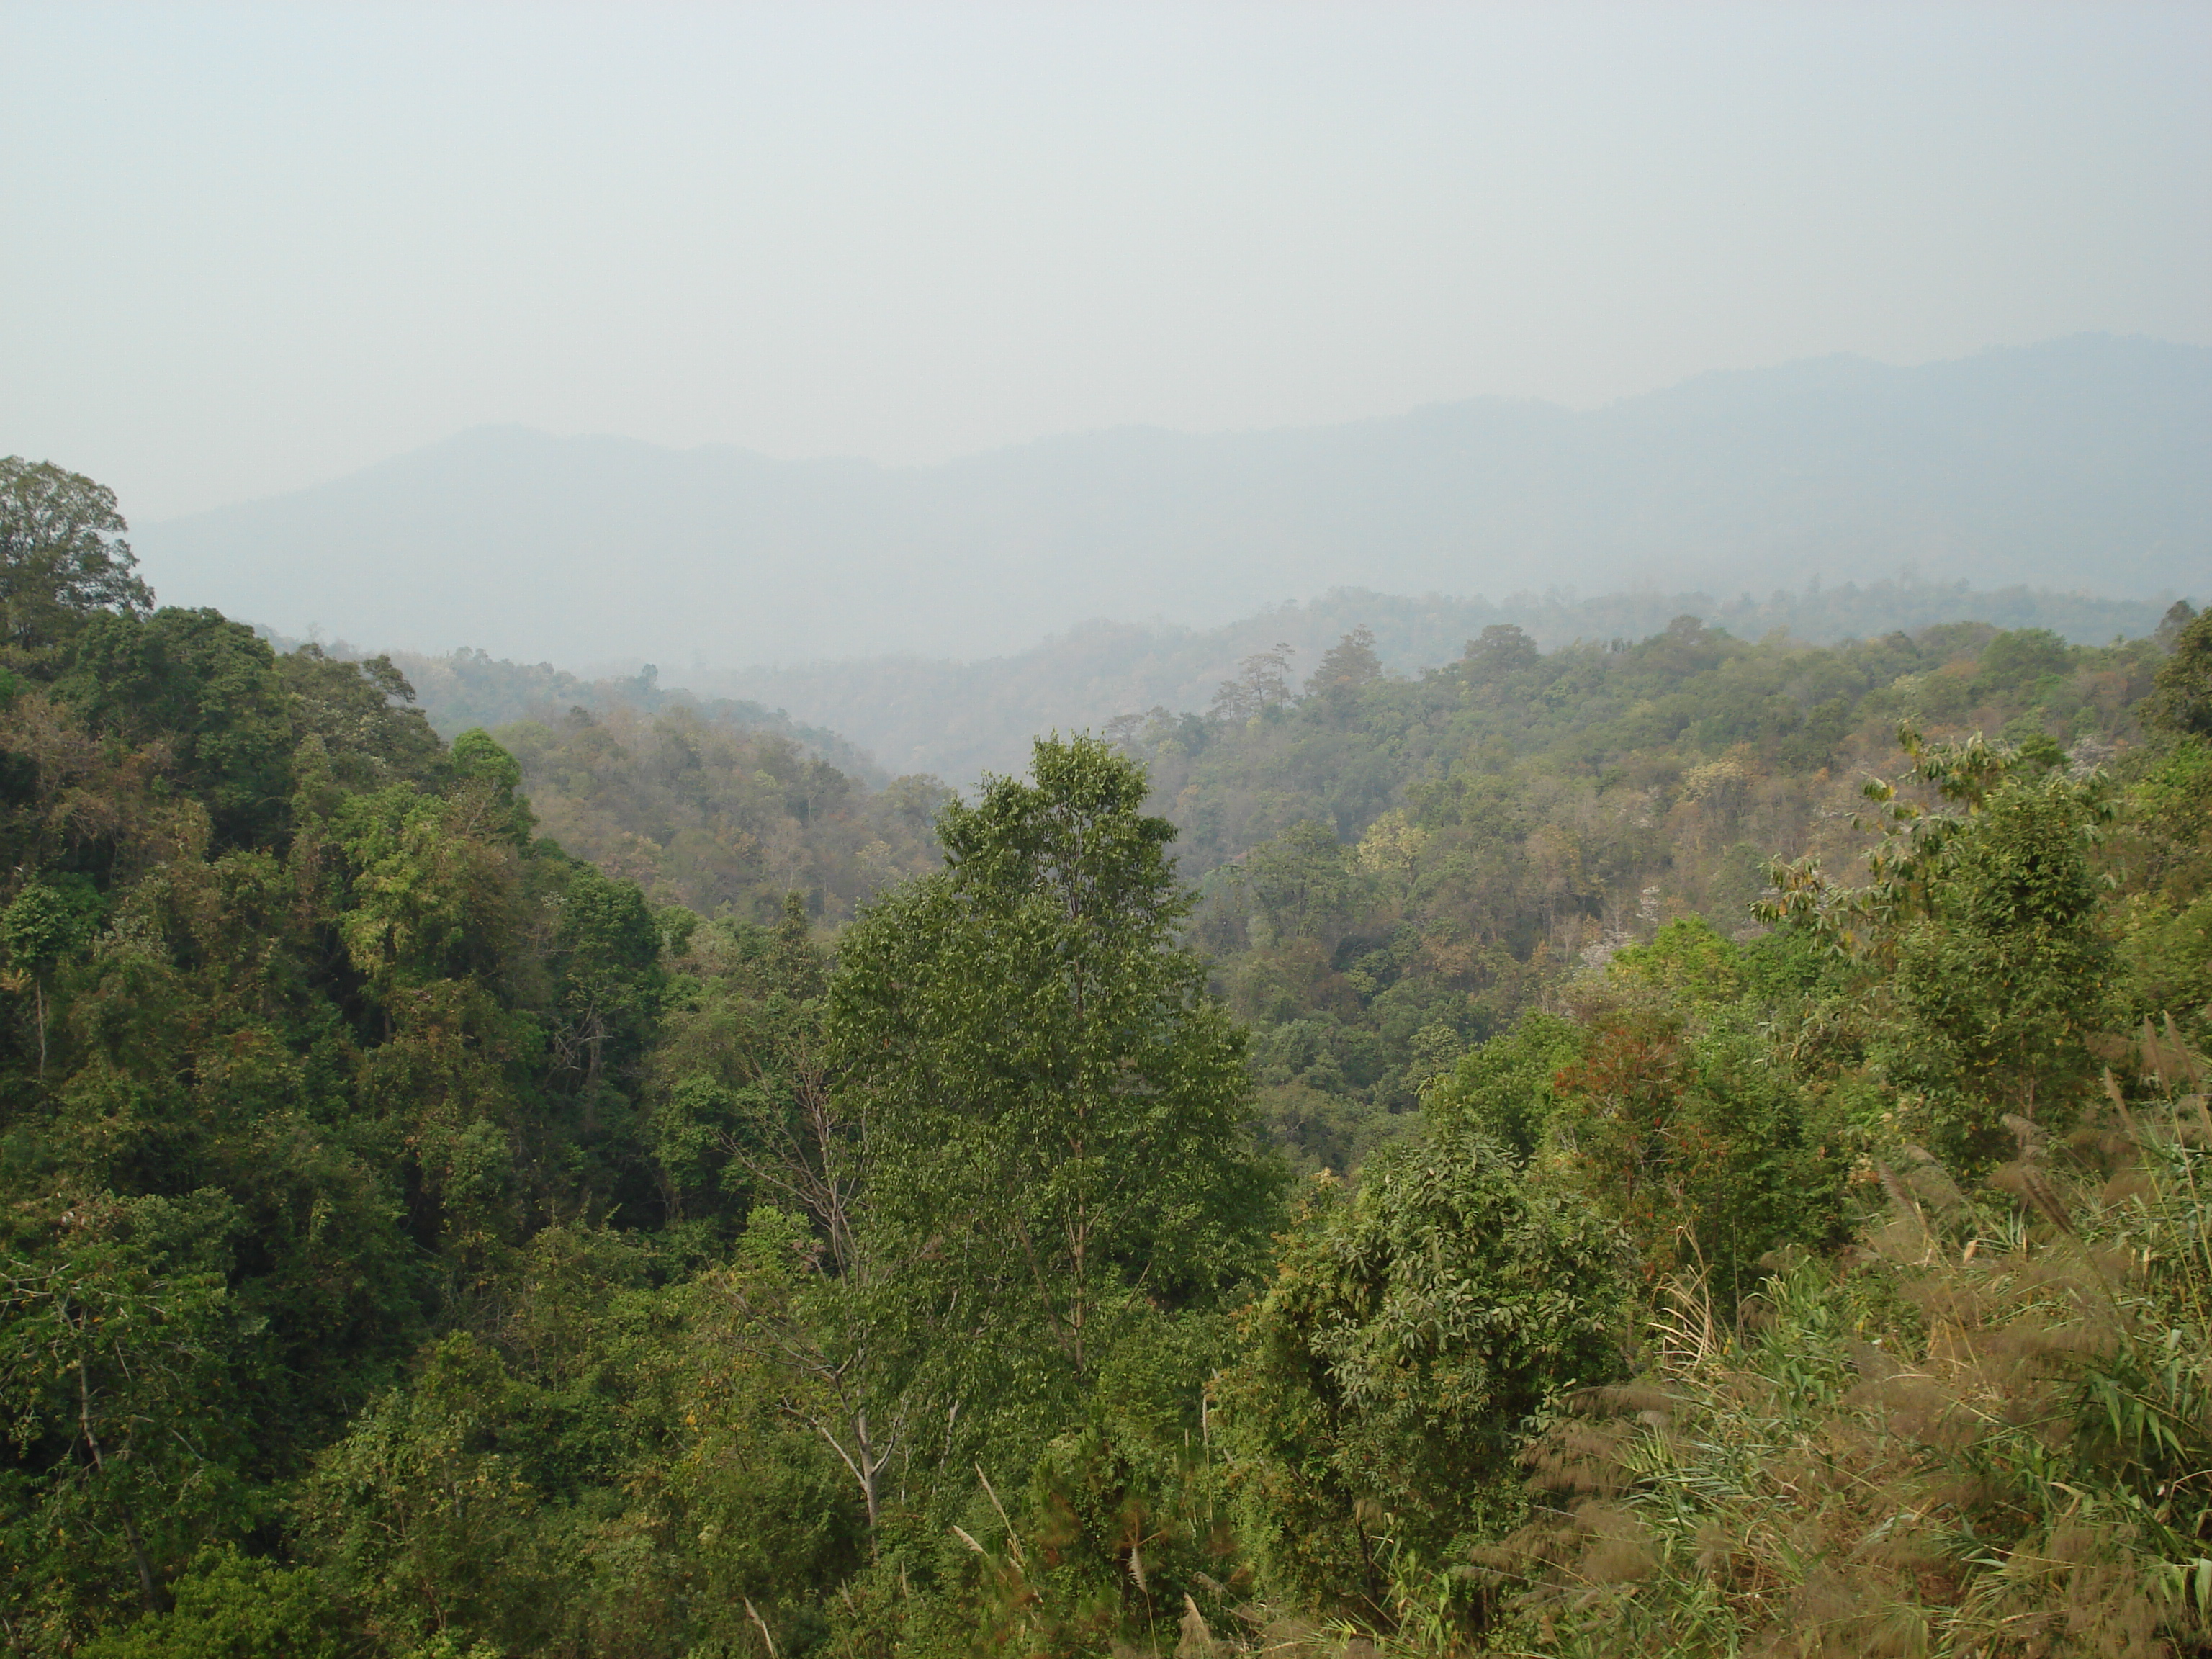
<point x="47" y="921"/>
<point x="606" y="963"/>
<point x="62" y="554"/>
<point x="434" y="894"/>
<point x="230" y="1606"/>
<point x="205" y="688"/>
<point x="117" y="1348"/>
<point x="2182" y="701"/>
<point x="1056" y="1116"/>
<point x="1303" y="881"/>
<point x="495" y="774"/>
<point x="1981" y="960"/>
<point x="1410" y="1334"/>
<point x="1076" y="838"/>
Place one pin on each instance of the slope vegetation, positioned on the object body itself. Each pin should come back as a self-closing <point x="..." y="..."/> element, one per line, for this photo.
<point x="1683" y="1147"/>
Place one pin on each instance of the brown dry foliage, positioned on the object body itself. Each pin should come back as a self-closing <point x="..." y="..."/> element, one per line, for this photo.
<point x="1987" y="1430"/>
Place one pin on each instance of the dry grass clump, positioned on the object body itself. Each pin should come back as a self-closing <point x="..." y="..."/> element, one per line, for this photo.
<point x="1987" y="1431"/>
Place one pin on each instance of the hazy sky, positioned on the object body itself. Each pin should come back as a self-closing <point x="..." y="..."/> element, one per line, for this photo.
<point x="246" y="248"/>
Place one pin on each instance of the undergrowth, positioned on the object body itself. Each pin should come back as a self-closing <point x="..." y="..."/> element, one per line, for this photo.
<point x="1986" y="1430"/>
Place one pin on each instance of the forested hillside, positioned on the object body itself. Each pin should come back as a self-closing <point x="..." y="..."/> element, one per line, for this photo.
<point x="1683" y="1147"/>
<point x="1395" y="869"/>
<point x="719" y="804"/>
<point x="472" y="687"/>
<point x="719" y="816"/>
<point x="958" y="720"/>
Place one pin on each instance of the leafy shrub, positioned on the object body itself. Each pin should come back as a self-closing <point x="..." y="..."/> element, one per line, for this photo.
<point x="1412" y="1332"/>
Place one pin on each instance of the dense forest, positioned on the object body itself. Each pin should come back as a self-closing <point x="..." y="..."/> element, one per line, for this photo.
<point x="1668" y="1146"/>
<point x="714" y="803"/>
<point x="959" y="718"/>
<point x="465" y="689"/>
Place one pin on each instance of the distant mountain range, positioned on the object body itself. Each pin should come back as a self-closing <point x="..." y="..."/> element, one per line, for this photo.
<point x="2081" y="464"/>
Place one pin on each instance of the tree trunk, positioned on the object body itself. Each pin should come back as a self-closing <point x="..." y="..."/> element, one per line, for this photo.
<point x="150" y="1586"/>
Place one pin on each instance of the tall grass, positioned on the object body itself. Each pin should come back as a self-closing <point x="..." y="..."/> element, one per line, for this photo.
<point x="1985" y="1431"/>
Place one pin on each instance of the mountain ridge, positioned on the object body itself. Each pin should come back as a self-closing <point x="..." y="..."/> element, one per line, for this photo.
<point x="2089" y="457"/>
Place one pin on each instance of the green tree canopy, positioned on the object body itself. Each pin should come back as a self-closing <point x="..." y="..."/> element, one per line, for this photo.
<point x="2182" y="699"/>
<point x="1057" y="1113"/>
<point x="1350" y="664"/>
<point x="62" y="554"/>
<point x="207" y="686"/>
<point x="1409" y="1334"/>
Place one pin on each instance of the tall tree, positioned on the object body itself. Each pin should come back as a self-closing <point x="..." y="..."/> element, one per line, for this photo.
<point x="1262" y="682"/>
<point x="63" y="556"/>
<point x="2182" y="699"/>
<point x="1350" y="663"/>
<point x="1057" y="1114"/>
